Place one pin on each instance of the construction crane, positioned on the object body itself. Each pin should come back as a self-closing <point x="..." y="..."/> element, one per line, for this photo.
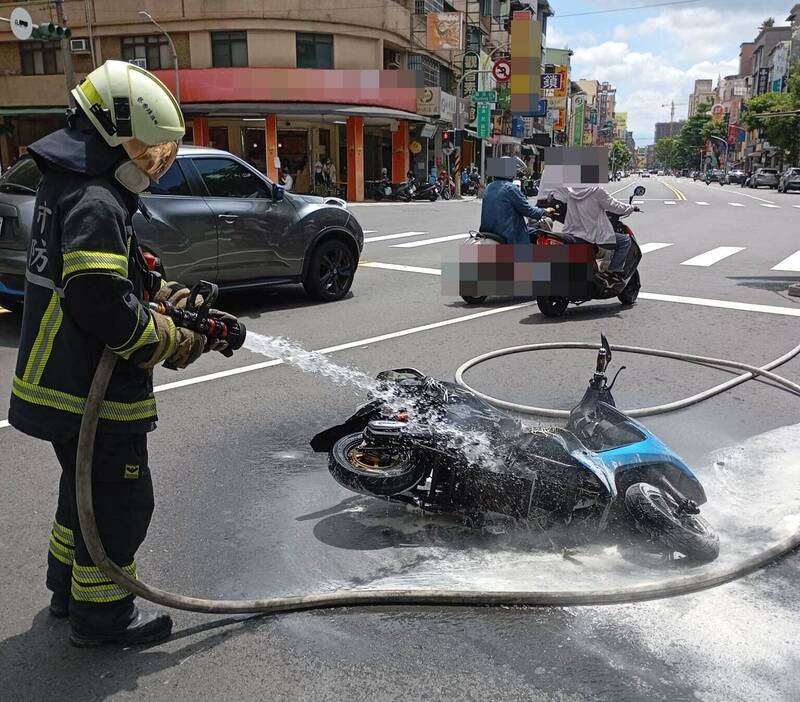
<point x="671" y="105"/>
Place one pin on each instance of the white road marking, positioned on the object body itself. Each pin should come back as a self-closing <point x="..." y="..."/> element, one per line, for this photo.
<point x="624" y="187"/>
<point x="723" y="304"/>
<point x="387" y="237"/>
<point x="398" y="267"/>
<point x="734" y="193"/>
<point x="638" y="202"/>
<point x="766" y="204"/>
<point x="797" y="206"/>
<point x="702" y="203"/>
<point x="709" y="258"/>
<point x="428" y="242"/>
<point x="4" y="424"/>
<point x="653" y="246"/>
<point x="669" y="202"/>
<point x="369" y="231"/>
<point x="792" y="263"/>
<point x="736" y="204"/>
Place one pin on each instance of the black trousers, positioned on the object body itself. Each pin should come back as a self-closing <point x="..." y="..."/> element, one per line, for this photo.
<point x="123" y="503"/>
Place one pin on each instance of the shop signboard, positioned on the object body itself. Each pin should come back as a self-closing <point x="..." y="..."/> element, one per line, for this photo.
<point x="578" y="117"/>
<point x="483" y="120"/>
<point x="470" y="62"/>
<point x="444" y="31"/>
<point x="434" y="102"/>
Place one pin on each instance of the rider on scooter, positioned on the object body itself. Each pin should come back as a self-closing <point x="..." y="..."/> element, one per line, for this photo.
<point x="505" y="208"/>
<point x="586" y="219"/>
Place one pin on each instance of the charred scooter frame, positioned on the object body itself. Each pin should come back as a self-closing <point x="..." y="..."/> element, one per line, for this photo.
<point x="602" y="469"/>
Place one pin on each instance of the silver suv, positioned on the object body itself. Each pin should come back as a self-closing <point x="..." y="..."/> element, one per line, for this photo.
<point x="765" y="177"/>
<point x="789" y="180"/>
<point x="212" y="217"/>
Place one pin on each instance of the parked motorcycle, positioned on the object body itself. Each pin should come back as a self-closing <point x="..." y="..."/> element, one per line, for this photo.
<point x="386" y="190"/>
<point x="414" y="443"/>
<point x="598" y="287"/>
<point x="424" y="191"/>
<point x="447" y="188"/>
<point x="470" y="183"/>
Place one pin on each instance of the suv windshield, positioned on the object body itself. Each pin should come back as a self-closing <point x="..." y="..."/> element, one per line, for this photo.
<point x="23" y="175"/>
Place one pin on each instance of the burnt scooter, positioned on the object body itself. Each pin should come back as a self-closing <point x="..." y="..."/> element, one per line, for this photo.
<point x="401" y="192"/>
<point x="422" y="190"/>
<point x="415" y="444"/>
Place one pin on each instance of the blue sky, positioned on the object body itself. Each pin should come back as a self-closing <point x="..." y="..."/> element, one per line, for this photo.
<point x="653" y="55"/>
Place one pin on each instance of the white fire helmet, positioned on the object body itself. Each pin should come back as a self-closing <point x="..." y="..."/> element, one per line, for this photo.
<point x="125" y="102"/>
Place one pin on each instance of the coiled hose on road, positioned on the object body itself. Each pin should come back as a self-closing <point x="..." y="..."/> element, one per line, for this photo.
<point x="360" y="598"/>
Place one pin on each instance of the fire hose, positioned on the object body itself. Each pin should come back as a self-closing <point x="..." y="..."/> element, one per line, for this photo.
<point x="358" y="598"/>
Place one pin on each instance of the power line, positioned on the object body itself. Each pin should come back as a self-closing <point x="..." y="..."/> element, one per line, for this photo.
<point x="627" y="9"/>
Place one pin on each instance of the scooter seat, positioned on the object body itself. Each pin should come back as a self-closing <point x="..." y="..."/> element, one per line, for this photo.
<point x="566" y="238"/>
<point x="499" y="238"/>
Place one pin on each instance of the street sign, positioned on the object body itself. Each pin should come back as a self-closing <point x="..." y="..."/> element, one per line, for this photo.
<point x="718" y="112"/>
<point x="21" y="23"/>
<point x="447" y="150"/>
<point x="501" y="70"/>
<point x="485" y="96"/>
<point x="483" y="120"/>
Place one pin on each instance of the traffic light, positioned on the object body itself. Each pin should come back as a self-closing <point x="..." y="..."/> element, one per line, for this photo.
<point x="51" y="32"/>
<point x="447" y="138"/>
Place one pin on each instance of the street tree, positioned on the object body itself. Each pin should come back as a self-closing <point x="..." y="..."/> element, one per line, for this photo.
<point x="619" y="156"/>
<point x="781" y="132"/>
<point x="692" y="139"/>
<point x="668" y="152"/>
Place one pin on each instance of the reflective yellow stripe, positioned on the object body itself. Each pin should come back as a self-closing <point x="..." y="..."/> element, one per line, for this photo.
<point x="75" y="261"/>
<point x="90" y="584"/>
<point x="88" y="89"/>
<point x="43" y="345"/>
<point x="148" y="336"/>
<point x="116" y="411"/>
<point x="65" y="554"/>
<point x="64" y="534"/>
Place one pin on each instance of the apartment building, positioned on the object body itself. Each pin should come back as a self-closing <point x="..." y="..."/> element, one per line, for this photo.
<point x="282" y="83"/>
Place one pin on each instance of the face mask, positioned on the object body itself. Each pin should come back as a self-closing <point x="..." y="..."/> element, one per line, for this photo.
<point x="153" y="160"/>
<point x="132" y="177"/>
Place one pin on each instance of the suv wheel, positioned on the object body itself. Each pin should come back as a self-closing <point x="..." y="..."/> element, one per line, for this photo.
<point x="330" y="272"/>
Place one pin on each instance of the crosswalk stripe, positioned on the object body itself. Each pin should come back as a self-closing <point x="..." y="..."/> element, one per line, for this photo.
<point x="797" y="206"/>
<point x="709" y="258"/>
<point x="387" y="237"/>
<point x="765" y="204"/>
<point x="397" y="267"/>
<point x="428" y="242"/>
<point x="669" y="202"/>
<point x="653" y="246"/>
<point x="736" y="204"/>
<point x="702" y="203"/>
<point x="792" y="263"/>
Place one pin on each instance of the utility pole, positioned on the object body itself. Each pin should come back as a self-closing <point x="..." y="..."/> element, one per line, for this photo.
<point x="66" y="54"/>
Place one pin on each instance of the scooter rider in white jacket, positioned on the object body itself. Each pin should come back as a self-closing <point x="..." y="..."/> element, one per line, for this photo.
<point x="586" y="219"/>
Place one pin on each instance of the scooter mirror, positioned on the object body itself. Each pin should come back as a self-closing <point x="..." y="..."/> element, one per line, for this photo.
<point x="639" y="190"/>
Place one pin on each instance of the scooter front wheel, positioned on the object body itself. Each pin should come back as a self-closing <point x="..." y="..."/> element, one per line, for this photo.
<point x="470" y="300"/>
<point x="658" y="515"/>
<point x="552" y="306"/>
<point x="373" y="471"/>
<point x="631" y="291"/>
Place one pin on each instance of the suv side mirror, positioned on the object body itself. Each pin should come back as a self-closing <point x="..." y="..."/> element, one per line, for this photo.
<point x="277" y="192"/>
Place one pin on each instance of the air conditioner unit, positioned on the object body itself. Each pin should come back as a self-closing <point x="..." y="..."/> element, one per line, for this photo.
<point x="141" y="62"/>
<point x="79" y="46"/>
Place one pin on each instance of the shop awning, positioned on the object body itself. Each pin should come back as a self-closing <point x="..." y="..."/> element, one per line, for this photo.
<point x="308" y="109"/>
<point x="23" y="111"/>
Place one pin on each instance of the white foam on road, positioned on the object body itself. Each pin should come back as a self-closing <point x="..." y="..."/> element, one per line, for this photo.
<point x="791" y="263"/>
<point x="653" y="246"/>
<point x="709" y="258"/>
<point x="428" y="242"/>
<point x="389" y="237"/>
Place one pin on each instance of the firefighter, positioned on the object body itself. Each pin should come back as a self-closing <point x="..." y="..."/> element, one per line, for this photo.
<point x="86" y="286"/>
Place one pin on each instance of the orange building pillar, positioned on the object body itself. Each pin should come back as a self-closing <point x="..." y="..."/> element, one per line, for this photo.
<point x="200" y="131"/>
<point x="400" y="144"/>
<point x="355" y="159"/>
<point x="271" y="141"/>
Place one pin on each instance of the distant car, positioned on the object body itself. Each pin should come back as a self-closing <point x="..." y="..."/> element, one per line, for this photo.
<point x="735" y="177"/>
<point x="789" y="180"/>
<point x="211" y="217"/>
<point x="765" y="177"/>
<point x="645" y="174"/>
<point x="660" y="173"/>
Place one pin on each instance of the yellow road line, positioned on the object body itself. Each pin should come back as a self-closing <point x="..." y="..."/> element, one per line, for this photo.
<point x="677" y="192"/>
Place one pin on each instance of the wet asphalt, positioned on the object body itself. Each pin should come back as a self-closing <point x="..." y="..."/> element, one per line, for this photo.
<point x="245" y="508"/>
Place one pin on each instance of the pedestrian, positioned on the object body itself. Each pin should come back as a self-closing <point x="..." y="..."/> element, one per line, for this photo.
<point x="85" y="288"/>
<point x="286" y="180"/>
<point x="319" y="176"/>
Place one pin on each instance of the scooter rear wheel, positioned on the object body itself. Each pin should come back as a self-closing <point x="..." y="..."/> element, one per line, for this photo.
<point x="373" y="471"/>
<point x="470" y="300"/>
<point x="656" y="514"/>
<point x="552" y="306"/>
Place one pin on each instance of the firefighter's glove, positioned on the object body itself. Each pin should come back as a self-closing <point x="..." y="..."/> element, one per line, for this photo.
<point x="177" y="346"/>
<point x="219" y="344"/>
<point x="175" y="293"/>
